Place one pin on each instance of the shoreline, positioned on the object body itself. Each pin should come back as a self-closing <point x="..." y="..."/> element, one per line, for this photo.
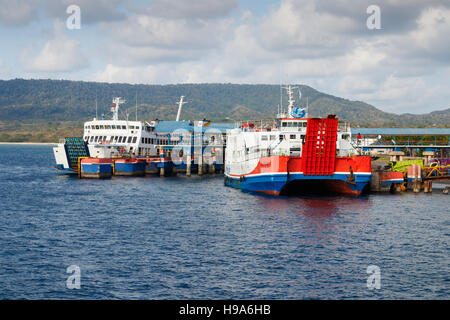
<point x="30" y="143"/>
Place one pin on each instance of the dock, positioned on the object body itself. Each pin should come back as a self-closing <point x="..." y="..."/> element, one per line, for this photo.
<point x="198" y="148"/>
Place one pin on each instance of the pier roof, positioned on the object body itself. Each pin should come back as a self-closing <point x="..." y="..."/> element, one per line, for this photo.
<point x="402" y="131"/>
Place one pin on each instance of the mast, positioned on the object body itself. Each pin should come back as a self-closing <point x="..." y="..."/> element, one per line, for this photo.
<point x="180" y="106"/>
<point x="116" y="106"/>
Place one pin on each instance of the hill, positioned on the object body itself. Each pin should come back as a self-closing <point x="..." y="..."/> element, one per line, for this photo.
<point x="63" y="100"/>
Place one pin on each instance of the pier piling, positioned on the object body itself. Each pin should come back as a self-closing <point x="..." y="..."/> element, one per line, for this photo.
<point x="188" y="165"/>
<point x="200" y="165"/>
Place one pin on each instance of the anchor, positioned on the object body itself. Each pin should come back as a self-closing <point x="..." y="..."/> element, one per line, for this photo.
<point x="351" y="178"/>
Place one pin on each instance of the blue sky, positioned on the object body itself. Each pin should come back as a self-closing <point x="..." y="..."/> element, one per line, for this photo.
<point x="402" y="67"/>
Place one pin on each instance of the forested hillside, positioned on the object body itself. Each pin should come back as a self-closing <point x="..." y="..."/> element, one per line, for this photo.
<point x="61" y="100"/>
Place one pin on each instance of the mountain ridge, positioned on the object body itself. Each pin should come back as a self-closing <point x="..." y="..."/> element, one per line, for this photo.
<point x="67" y="100"/>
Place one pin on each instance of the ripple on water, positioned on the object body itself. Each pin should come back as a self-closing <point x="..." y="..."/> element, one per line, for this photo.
<point x="181" y="238"/>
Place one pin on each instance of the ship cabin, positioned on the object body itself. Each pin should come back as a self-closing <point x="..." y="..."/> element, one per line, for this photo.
<point x="292" y="124"/>
<point x="112" y="137"/>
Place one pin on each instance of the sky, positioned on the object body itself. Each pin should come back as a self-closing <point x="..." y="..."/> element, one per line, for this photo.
<point x="398" y="61"/>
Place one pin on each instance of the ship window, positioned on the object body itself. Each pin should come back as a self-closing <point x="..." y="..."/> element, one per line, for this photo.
<point x="113" y="126"/>
<point x="304" y="124"/>
<point x="131" y="127"/>
<point x="120" y="139"/>
<point x="143" y="140"/>
<point x="284" y="124"/>
<point x="129" y="139"/>
<point x="108" y="127"/>
<point x="102" y="127"/>
<point x="96" y="138"/>
<point x="281" y="137"/>
<point x="97" y="127"/>
<point x="134" y="139"/>
<point x="292" y="136"/>
<point x="264" y="138"/>
<point x="92" y="138"/>
<point x="272" y="137"/>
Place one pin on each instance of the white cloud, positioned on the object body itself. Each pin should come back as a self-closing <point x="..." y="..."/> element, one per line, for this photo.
<point x="59" y="54"/>
<point x="188" y="9"/>
<point x="321" y="43"/>
<point x="17" y="12"/>
<point x="433" y="32"/>
<point x="298" y="28"/>
<point x="142" y="30"/>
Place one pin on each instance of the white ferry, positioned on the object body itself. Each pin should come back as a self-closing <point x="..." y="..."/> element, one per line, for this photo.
<point x="108" y="138"/>
<point x="297" y="152"/>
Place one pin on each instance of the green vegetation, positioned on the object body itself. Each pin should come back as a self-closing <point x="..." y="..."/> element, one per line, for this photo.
<point x="38" y="131"/>
<point x="46" y="110"/>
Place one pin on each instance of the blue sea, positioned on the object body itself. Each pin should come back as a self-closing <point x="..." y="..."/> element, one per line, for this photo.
<point x="194" y="238"/>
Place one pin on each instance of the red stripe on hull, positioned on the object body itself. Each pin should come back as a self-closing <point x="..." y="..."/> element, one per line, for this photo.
<point x="269" y="192"/>
<point x="96" y="160"/>
<point x="274" y="164"/>
<point x="387" y="176"/>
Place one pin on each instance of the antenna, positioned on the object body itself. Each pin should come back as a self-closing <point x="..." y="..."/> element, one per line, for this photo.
<point x="115" y="107"/>
<point x="281" y="98"/>
<point x="136" y="105"/>
<point x="307" y="107"/>
<point x="180" y="106"/>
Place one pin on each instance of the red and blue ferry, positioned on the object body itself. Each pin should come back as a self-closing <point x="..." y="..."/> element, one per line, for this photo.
<point x="298" y="154"/>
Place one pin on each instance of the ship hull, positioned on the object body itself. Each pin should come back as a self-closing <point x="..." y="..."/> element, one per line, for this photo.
<point x="282" y="175"/>
<point x="129" y="167"/>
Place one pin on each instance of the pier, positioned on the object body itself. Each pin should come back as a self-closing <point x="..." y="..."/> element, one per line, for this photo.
<point x="411" y="141"/>
<point x="198" y="148"/>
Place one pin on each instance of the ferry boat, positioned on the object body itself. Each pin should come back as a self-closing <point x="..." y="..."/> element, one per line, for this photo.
<point x="298" y="154"/>
<point x="107" y="138"/>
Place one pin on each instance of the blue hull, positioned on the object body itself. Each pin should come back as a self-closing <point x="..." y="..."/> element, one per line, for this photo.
<point x="129" y="169"/>
<point x="276" y="184"/>
<point x="96" y="170"/>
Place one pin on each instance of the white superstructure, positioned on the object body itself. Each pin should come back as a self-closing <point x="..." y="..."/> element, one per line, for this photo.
<point x="249" y="143"/>
<point x="108" y="138"/>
